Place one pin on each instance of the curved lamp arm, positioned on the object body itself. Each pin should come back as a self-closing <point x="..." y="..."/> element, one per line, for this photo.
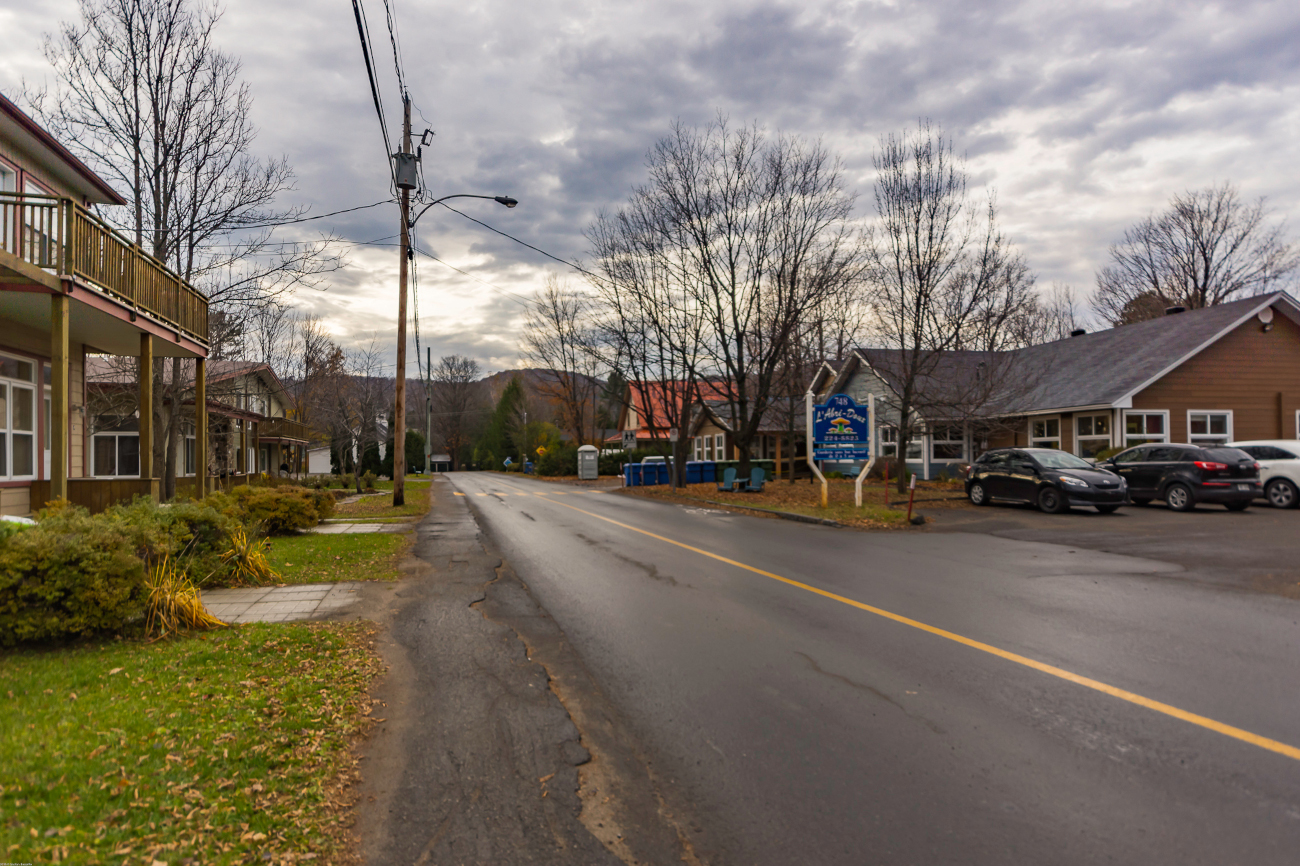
<point x="499" y="199"/>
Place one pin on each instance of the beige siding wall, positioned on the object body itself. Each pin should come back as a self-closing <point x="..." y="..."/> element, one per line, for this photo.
<point x="15" y="501"/>
<point x="1253" y="373"/>
<point x="24" y="162"/>
<point x="28" y="342"/>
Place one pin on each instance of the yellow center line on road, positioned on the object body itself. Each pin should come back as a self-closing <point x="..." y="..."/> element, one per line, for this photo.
<point x="1087" y="682"/>
<point x="458" y="493"/>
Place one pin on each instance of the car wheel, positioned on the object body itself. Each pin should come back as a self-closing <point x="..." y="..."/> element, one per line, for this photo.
<point x="1236" y="506"/>
<point x="1141" y="501"/>
<point x="1107" y="509"/>
<point x="1282" y="493"/>
<point x="1179" y="498"/>
<point x="978" y="495"/>
<point x="1051" y="501"/>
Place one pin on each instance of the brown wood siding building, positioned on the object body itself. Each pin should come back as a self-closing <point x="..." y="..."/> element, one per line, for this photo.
<point x="1250" y="372"/>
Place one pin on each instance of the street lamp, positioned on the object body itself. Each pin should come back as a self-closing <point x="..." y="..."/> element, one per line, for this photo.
<point x="499" y="199"/>
<point x="408" y="223"/>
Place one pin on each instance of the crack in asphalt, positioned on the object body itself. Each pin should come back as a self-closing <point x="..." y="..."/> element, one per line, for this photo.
<point x="812" y="662"/>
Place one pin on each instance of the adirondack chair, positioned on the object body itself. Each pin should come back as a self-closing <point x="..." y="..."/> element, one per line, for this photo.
<point x="756" y="479"/>
<point x="728" y="482"/>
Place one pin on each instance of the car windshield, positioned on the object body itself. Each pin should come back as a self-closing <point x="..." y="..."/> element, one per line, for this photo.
<point x="1060" y="460"/>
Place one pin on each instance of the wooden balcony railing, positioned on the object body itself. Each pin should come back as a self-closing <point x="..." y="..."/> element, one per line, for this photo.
<point x="285" y="428"/>
<point x="57" y="234"/>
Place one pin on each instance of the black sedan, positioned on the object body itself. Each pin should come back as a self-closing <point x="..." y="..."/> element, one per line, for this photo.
<point x="1184" y="475"/>
<point x="1051" y="479"/>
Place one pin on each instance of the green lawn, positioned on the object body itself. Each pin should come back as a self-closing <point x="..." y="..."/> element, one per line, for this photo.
<point x="417" y="503"/>
<point x="223" y="747"/>
<point x="319" y="558"/>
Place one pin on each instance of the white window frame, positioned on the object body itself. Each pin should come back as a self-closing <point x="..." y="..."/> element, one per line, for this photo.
<point x="961" y="441"/>
<point x="114" y="435"/>
<point x="1035" y="440"/>
<point x="1146" y="439"/>
<point x="719" y="446"/>
<point x="1195" y="438"/>
<point x="1108" y="438"/>
<point x="6" y="418"/>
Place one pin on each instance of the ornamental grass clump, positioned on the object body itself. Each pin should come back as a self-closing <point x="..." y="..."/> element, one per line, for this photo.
<point x="174" y="602"/>
<point x="247" y="561"/>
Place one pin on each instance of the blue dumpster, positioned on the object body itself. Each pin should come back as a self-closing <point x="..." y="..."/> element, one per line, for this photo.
<point x="662" y="472"/>
<point x="693" y="472"/>
<point x="633" y="471"/>
<point x="708" y="472"/>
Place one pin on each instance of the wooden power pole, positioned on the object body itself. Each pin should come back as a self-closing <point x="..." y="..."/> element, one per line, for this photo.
<point x="399" y="413"/>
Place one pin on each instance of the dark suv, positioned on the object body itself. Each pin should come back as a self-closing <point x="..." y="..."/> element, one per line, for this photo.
<point x="1051" y="479"/>
<point x="1184" y="475"/>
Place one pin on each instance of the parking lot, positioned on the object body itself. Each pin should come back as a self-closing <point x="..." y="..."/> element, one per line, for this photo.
<point x="1257" y="550"/>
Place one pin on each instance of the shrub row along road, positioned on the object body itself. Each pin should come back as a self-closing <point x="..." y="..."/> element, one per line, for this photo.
<point x="822" y="696"/>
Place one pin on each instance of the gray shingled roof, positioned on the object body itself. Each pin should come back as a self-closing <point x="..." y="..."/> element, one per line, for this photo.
<point x="1094" y="369"/>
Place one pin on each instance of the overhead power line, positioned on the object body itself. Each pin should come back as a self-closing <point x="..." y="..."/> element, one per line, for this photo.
<point x="363" y="30"/>
<point x="319" y="217"/>
<point x="576" y="267"/>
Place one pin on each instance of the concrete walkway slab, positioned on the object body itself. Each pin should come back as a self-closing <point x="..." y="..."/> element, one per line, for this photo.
<point x="279" y="603"/>
<point x="349" y="528"/>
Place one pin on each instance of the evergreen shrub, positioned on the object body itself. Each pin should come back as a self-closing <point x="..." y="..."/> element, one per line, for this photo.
<point x="71" y="575"/>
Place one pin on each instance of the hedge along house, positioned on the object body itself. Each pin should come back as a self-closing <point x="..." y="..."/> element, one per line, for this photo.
<point x="70" y="286"/>
<point x="1211" y="375"/>
<point x="249" y="428"/>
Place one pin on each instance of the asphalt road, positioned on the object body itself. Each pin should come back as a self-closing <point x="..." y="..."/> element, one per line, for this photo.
<point x="821" y="696"/>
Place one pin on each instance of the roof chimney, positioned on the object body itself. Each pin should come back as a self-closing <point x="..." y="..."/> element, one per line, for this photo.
<point x="1173" y="311"/>
<point x="1078" y="332"/>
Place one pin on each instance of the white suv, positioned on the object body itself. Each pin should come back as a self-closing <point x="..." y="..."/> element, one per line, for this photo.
<point x="1279" y="468"/>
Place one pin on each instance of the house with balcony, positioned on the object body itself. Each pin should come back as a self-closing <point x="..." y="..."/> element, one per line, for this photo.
<point x="1204" y="376"/>
<point x="72" y="287"/>
<point x="250" y="425"/>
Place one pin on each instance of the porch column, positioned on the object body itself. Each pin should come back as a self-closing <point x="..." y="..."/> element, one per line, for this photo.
<point x="145" y="384"/>
<point x="257" y="447"/>
<point x="60" y="311"/>
<point x="200" y="428"/>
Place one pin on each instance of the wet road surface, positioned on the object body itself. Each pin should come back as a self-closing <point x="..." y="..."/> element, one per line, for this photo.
<point x="822" y="696"/>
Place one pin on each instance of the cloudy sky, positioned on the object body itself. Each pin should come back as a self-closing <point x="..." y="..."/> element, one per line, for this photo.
<point x="1082" y="116"/>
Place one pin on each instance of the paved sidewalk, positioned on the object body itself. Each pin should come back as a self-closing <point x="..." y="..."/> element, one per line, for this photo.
<point x="337" y="528"/>
<point x="279" y="603"/>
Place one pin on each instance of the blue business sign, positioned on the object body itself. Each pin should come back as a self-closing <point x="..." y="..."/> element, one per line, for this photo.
<point x="841" y="430"/>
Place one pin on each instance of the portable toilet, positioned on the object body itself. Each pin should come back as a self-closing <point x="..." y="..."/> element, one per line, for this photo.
<point x="588" y="463"/>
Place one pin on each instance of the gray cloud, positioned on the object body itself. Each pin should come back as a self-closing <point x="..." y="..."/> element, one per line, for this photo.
<point x="1084" y="117"/>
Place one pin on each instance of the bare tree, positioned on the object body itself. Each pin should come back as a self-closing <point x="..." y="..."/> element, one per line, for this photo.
<point x="945" y="279"/>
<point x="459" y="404"/>
<point x="149" y="102"/>
<point x="1209" y="247"/>
<point x="741" y="236"/>
<point x="358" y="397"/>
<point x="648" y="326"/>
<point x="558" y="336"/>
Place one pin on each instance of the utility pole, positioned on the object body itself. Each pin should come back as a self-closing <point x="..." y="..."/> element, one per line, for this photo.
<point x="428" y="411"/>
<point x="399" y="433"/>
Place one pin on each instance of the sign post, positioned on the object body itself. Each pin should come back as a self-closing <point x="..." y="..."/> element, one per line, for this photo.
<point x="841" y="430"/>
<point x="808" y="430"/>
<point x="871" y="459"/>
